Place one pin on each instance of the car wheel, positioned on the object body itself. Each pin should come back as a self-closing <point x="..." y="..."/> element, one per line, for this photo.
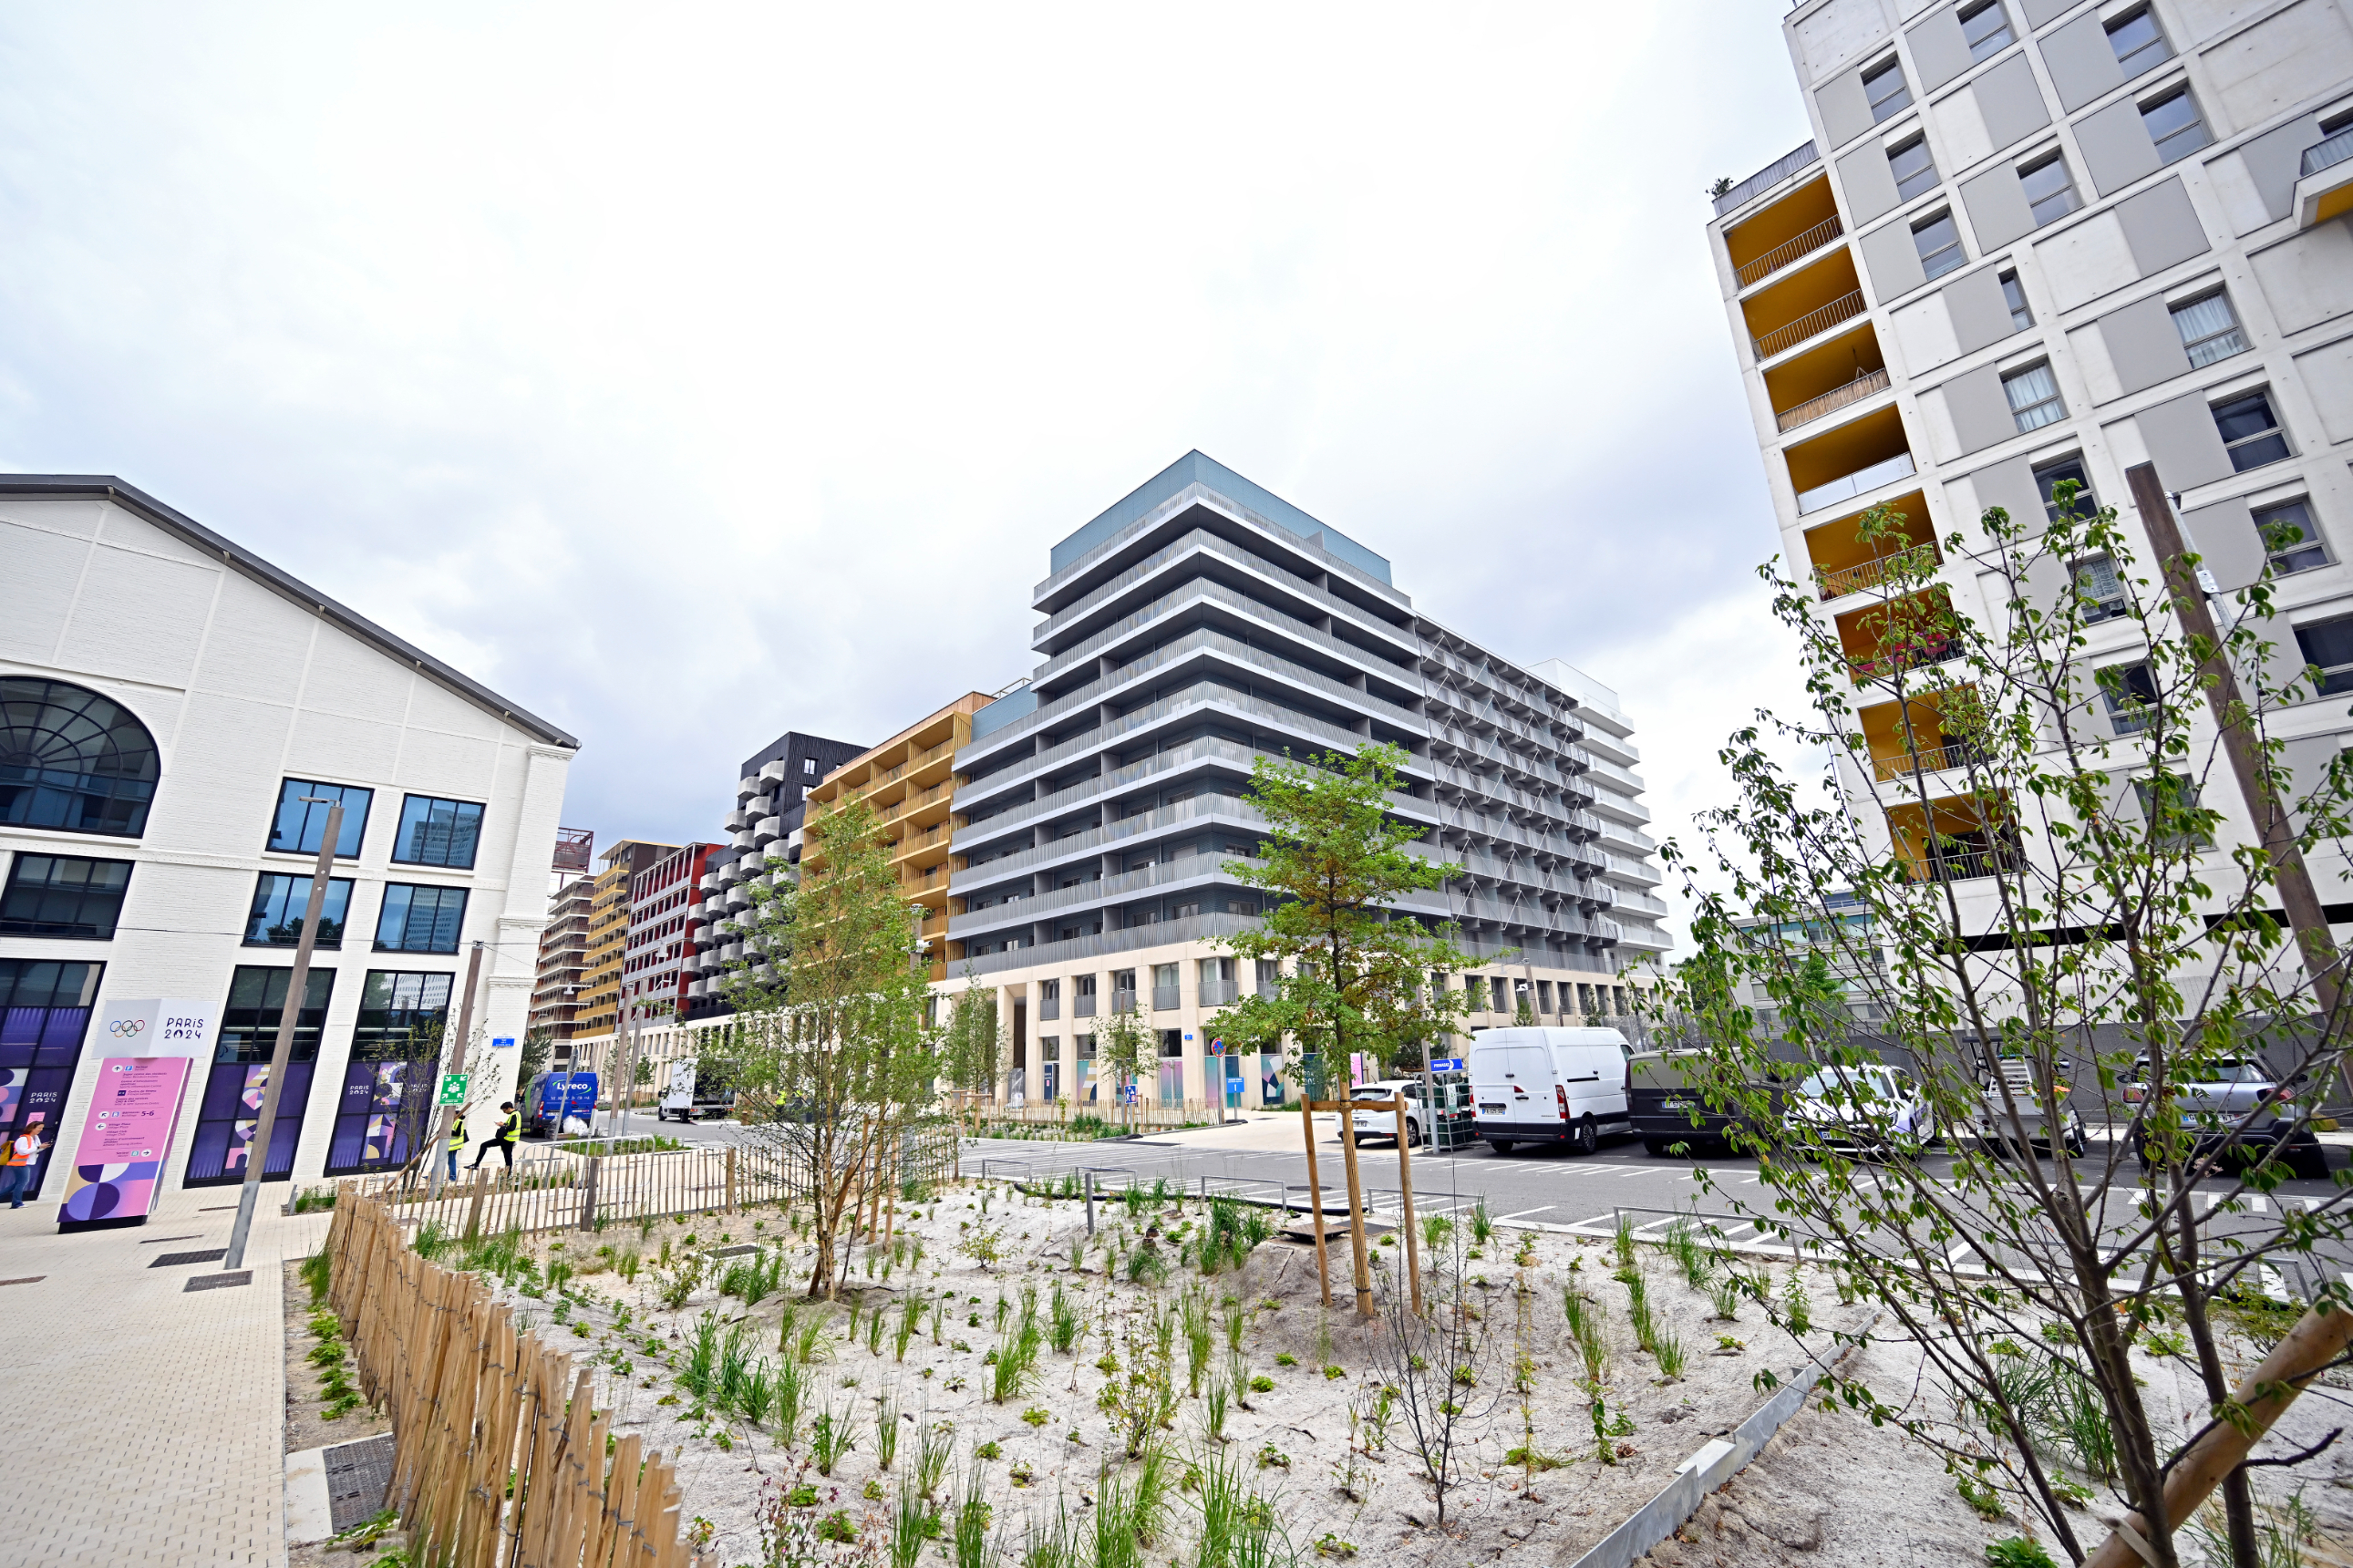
<point x="1500" y="1145"/>
<point x="2309" y="1165"/>
<point x="1583" y="1139"/>
<point x="1656" y="1147"/>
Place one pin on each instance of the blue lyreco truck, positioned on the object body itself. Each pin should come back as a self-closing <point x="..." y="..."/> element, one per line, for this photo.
<point x="552" y="1096"/>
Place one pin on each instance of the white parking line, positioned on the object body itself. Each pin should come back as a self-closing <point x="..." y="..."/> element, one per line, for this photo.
<point x="1953" y="1254"/>
<point x="1656" y="1223"/>
<point x="1525" y="1213"/>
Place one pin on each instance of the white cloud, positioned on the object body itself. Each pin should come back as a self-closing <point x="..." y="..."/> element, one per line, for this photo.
<point x="691" y="374"/>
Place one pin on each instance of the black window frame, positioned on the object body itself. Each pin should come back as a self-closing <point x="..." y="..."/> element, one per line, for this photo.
<point x="1984" y="46"/>
<point x="2049" y="476"/>
<point x="2135" y="683"/>
<point x="294" y="888"/>
<point x="2243" y="450"/>
<point x="474" y="841"/>
<point x="94" y="766"/>
<point x="47" y="898"/>
<point x="2309" y="552"/>
<point x="314" y="819"/>
<point x="1887" y="108"/>
<point x="1957" y="252"/>
<point x="2178" y="93"/>
<point x="1916" y="144"/>
<point x="442" y="895"/>
<point x="2157" y="40"/>
<point x="2334" y="678"/>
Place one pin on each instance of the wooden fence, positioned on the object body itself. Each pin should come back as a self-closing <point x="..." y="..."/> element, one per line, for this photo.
<point x="556" y="1190"/>
<point x="499" y="1462"/>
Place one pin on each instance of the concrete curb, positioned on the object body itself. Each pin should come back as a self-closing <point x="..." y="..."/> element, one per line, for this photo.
<point x="1715" y="1463"/>
<point x="310" y="1510"/>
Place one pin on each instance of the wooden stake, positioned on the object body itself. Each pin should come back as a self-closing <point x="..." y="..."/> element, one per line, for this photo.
<point x="1356" y="1211"/>
<point x="1405" y="1179"/>
<point x="1315" y="1198"/>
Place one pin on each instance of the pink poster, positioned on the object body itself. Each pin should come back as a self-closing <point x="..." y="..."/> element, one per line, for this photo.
<point x="133" y="1112"/>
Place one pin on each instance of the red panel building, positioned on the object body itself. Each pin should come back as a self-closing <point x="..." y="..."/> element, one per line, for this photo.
<point x="654" y="970"/>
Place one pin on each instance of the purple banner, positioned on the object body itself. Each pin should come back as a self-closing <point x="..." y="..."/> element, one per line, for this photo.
<point x="134" y="1110"/>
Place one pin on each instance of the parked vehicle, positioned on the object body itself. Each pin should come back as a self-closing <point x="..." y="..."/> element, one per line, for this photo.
<point x="2217" y="1098"/>
<point x="698" y="1090"/>
<point x="1869" y="1109"/>
<point x="554" y="1097"/>
<point x="1550" y="1086"/>
<point x="1452" y="1117"/>
<point x="1992" y="1127"/>
<point x="1667" y="1112"/>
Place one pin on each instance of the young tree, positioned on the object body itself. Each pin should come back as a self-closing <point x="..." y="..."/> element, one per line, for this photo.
<point x="832" y="1057"/>
<point x="1124" y="1043"/>
<point x="974" y="1046"/>
<point x="1337" y="864"/>
<point x="2033" y="869"/>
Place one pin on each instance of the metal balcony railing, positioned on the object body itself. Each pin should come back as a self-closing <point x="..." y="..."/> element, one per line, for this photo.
<point x="1932" y="649"/>
<point x="1963" y="865"/>
<point x="2328" y="154"/>
<point x="1933" y="759"/>
<point x="1122" y="1000"/>
<point x="1082" y="1005"/>
<point x="1764" y="179"/>
<point x="1220" y="992"/>
<point x="1789" y="250"/>
<point x="1164" y="999"/>
<point x="1872" y="573"/>
<point x="1049" y="1009"/>
<point x="1869" y="383"/>
<point x="1847" y="488"/>
<point x="1845" y="308"/>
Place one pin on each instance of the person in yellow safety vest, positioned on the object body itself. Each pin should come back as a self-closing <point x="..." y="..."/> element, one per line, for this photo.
<point x="457" y="1145"/>
<point x="24" y="1154"/>
<point x="503" y="1140"/>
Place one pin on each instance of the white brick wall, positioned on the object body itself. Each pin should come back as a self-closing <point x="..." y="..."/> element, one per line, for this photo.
<point x="242" y="688"/>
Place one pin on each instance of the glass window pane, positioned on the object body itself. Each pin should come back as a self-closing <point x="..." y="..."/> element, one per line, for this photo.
<point x="2020" y="318"/>
<point x="2291" y="538"/>
<point x="63" y="896"/>
<point x="438" y="832"/>
<point x="1886" y="90"/>
<point x="73" y="760"/>
<point x="2033" y="398"/>
<point x="279" y="902"/>
<point x="1939" y="243"/>
<point x="301" y="824"/>
<point x="2049" y="195"/>
<point x="2173" y="124"/>
<point x="1914" y="170"/>
<point x="1987" y="31"/>
<point x="2329" y="644"/>
<point x="2138" y="43"/>
<point x="2210" y="331"/>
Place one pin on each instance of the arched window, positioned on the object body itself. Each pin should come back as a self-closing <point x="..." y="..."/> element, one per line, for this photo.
<point x="73" y="759"/>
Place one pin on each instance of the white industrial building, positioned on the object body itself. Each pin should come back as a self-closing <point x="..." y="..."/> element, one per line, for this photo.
<point x="166" y="701"/>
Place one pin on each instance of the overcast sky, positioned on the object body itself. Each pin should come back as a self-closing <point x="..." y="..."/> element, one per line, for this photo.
<point x="690" y="374"/>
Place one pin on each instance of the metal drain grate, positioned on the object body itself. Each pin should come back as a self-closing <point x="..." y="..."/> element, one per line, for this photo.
<point x="732" y="1251"/>
<point x="170" y="1260"/>
<point x="158" y="1240"/>
<point x="220" y="1282"/>
<point x="358" y="1475"/>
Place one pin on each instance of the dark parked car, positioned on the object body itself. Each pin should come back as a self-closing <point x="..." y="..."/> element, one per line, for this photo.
<point x="1667" y="1110"/>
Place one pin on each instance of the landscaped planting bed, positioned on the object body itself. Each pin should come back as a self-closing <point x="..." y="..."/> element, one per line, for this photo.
<point x="994" y="1376"/>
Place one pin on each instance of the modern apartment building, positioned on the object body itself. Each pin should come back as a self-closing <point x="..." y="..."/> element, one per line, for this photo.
<point x="658" y="951"/>
<point x="1203" y="621"/>
<point x="910" y="780"/>
<point x="599" y="1001"/>
<point x="764" y="834"/>
<point x="2038" y="241"/>
<point x="562" y="963"/>
<point x="177" y="717"/>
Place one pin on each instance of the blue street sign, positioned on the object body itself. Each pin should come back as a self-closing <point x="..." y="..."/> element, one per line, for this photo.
<point x="497" y="1045"/>
<point x="1446" y="1064"/>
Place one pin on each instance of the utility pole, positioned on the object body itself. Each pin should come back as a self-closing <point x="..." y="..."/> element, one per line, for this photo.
<point x="453" y="1057"/>
<point x="257" y="1152"/>
<point x="2248" y="762"/>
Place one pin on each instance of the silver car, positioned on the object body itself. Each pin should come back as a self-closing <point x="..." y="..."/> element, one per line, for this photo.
<point x="2217" y="1098"/>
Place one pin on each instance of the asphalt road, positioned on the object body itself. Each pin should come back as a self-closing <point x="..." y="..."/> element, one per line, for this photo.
<point x="1549" y="1188"/>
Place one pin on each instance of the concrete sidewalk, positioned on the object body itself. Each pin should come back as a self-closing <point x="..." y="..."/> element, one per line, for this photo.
<point x="149" y="1418"/>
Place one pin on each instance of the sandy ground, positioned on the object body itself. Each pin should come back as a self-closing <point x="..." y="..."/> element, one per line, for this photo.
<point x="304" y="1427"/>
<point x="1326" y="1476"/>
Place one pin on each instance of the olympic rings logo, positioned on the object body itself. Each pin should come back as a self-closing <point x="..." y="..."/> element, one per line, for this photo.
<point x="126" y="1028"/>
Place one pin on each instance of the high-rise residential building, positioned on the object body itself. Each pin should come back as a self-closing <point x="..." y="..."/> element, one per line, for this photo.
<point x="764" y="834"/>
<point x="659" y="952"/>
<point x="910" y="780"/>
<point x="178" y="717"/>
<point x="1201" y="622"/>
<point x="600" y="1003"/>
<point x="563" y="961"/>
<point x="2035" y="241"/>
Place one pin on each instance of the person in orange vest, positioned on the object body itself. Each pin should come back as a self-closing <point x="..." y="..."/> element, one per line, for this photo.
<point x="24" y="1154"/>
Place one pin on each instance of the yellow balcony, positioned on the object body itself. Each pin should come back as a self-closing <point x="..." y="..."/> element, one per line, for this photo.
<point x="1807" y="303"/>
<point x="1884" y="639"/>
<point x="1929" y="730"/>
<point x="1784" y="234"/>
<point x="1845" y="563"/>
<point x="1849" y="460"/>
<point x="1957" y="838"/>
<point x="1829" y="377"/>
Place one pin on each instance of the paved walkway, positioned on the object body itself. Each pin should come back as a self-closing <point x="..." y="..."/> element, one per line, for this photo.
<point x="148" y="1419"/>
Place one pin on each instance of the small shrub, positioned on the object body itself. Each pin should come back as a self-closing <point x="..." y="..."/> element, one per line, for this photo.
<point x="1262" y="1384"/>
<point x="1285" y="1358"/>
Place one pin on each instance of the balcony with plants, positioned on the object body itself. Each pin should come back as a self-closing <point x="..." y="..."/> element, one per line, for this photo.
<point x="1802" y="304"/>
<point x="1883" y="641"/>
<point x="1891" y="547"/>
<point x="1850" y="460"/>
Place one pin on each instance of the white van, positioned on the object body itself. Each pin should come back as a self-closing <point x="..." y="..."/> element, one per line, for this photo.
<point x="1550" y="1086"/>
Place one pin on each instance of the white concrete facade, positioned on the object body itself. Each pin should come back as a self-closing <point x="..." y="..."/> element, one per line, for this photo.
<point x="246" y="678"/>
